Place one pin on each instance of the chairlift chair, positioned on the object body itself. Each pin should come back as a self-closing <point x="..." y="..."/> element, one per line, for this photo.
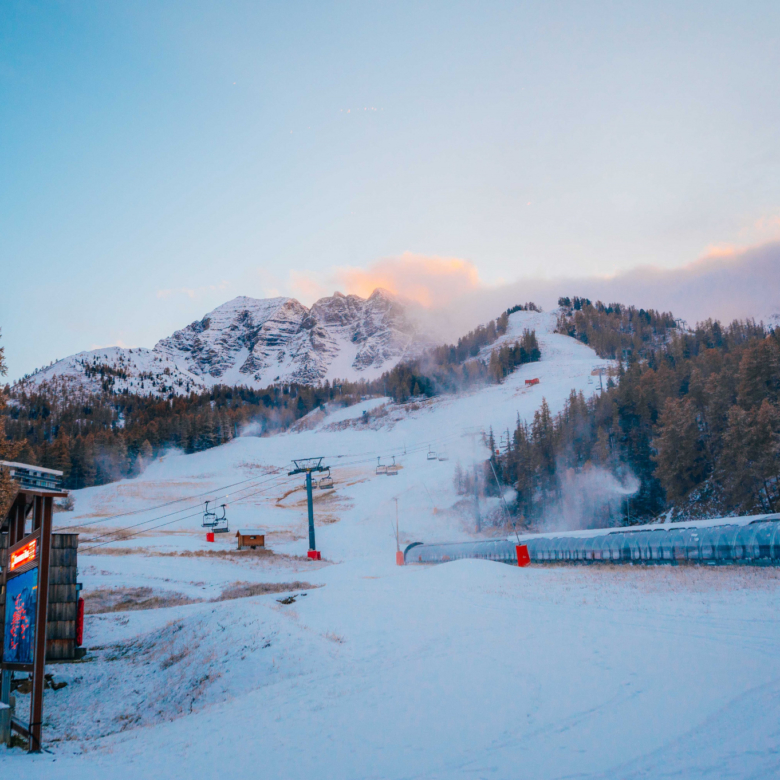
<point x="221" y="524"/>
<point x="431" y="454"/>
<point x="443" y="456"/>
<point x="326" y="481"/>
<point x="392" y="470"/>
<point x="209" y="518"/>
<point x="380" y="469"/>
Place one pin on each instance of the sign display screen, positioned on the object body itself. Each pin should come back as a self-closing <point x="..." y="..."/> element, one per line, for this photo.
<point x="21" y="601"/>
<point x="23" y="555"/>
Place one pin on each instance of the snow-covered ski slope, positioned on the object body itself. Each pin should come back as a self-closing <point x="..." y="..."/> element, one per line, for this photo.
<point x="464" y="670"/>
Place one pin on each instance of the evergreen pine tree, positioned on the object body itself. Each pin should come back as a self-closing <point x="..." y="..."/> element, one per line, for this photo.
<point x="681" y="453"/>
<point x="8" y="450"/>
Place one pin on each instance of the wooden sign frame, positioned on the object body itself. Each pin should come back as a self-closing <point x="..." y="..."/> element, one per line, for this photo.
<point x="42" y="506"/>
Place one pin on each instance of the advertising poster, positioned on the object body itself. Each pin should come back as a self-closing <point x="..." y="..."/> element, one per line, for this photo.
<point x="21" y="600"/>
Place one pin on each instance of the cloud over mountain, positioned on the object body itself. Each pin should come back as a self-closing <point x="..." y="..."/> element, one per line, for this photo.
<point x="726" y="284"/>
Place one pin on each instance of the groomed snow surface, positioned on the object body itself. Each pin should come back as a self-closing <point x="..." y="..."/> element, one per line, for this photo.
<point x="465" y="670"/>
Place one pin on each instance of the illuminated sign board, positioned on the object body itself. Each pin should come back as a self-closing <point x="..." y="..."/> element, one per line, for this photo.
<point x="23" y="555"/>
<point x="21" y="601"/>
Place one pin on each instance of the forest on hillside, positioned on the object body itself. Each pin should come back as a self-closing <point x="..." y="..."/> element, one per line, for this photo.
<point x="95" y="438"/>
<point x="692" y="419"/>
<point x="453" y="367"/>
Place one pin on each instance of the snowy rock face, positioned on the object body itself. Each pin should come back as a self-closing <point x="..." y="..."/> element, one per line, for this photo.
<point x="257" y="343"/>
<point x="118" y="370"/>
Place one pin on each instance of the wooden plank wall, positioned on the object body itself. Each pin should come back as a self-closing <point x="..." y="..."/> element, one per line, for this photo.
<point x="63" y="598"/>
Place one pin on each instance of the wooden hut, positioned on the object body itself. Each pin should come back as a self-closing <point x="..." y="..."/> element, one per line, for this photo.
<point x="250" y="538"/>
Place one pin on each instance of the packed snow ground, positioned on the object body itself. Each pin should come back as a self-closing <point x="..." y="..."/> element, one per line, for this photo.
<point x="465" y="670"/>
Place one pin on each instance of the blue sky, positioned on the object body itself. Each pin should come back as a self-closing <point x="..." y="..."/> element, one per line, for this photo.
<point x="157" y="159"/>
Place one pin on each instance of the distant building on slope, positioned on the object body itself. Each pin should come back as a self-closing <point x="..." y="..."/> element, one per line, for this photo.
<point x="33" y="477"/>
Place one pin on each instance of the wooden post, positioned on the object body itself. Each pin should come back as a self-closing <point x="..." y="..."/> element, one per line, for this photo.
<point x="37" y="515"/>
<point x="12" y="513"/>
<point x="5" y="675"/>
<point x="5" y="712"/>
<point x="36" y="707"/>
<point x="16" y="515"/>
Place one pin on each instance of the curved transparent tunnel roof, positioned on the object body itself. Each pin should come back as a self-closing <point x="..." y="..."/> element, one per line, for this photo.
<point x="756" y="543"/>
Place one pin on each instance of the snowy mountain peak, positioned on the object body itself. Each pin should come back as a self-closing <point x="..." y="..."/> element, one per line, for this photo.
<point x="257" y="342"/>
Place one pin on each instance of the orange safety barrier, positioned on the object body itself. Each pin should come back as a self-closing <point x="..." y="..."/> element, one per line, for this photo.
<point x="523" y="558"/>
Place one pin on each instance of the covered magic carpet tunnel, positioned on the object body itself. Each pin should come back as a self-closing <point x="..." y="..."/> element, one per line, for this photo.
<point x="753" y="540"/>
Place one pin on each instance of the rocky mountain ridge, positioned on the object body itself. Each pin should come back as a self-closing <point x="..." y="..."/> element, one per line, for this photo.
<point x="255" y="343"/>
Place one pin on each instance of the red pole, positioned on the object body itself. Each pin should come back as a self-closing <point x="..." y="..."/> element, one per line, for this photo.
<point x="80" y="624"/>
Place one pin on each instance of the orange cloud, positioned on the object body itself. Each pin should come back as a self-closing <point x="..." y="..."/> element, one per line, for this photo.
<point x="429" y="280"/>
<point x="721" y="250"/>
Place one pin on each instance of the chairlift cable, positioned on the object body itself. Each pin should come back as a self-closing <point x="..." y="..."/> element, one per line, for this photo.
<point x="170" y="522"/>
<point x="161" y="517"/>
<point x="158" y="506"/>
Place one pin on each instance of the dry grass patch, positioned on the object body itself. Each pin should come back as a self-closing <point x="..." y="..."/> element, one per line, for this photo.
<point x="106" y="600"/>
<point x="114" y="551"/>
<point x="242" y="590"/>
<point x="229" y="555"/>
<point x="130" y="599"/>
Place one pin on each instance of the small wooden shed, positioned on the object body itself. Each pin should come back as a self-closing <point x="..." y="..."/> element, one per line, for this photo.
<point x="250" y="538"/>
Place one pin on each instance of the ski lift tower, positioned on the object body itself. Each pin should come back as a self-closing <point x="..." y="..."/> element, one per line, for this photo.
<point x="308" y="466"/>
